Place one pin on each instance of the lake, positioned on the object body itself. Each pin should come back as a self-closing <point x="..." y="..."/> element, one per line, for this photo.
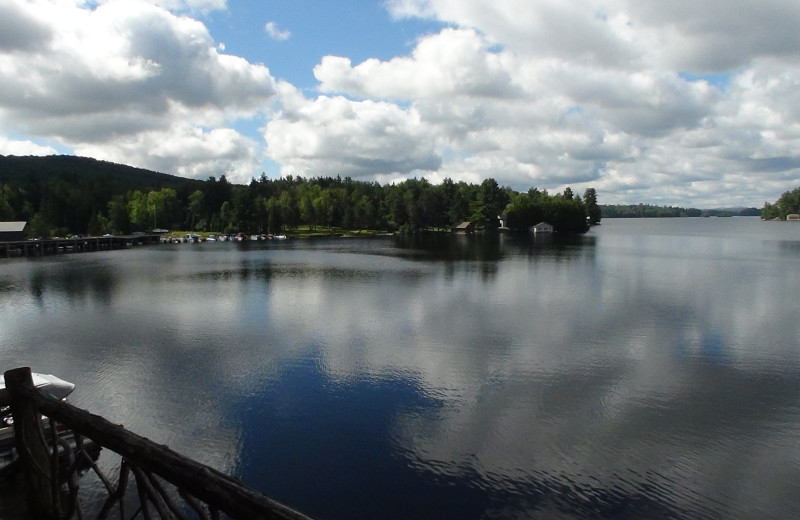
<point x="648" y="369"/>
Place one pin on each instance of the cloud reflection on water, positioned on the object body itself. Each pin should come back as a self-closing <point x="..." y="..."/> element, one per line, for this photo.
<point x="622" y="376"/>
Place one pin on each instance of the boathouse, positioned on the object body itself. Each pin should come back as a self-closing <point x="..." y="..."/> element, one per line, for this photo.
<point x="463" y="227"/>
<point x="12" y="231"/>
<point x="792" y="216"/>
<point x="542" y="227"/>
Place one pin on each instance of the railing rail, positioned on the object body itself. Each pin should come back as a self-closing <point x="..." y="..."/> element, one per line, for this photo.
<point x="205" y="490"/>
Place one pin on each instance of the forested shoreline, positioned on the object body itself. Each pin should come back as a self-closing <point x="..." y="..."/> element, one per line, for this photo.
<point x="787" y="204"/>
<point x="59" y="195"/>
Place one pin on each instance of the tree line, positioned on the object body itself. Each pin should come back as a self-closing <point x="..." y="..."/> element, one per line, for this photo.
<point x="59" y="204"/>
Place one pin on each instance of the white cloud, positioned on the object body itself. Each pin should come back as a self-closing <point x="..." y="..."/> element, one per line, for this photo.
<point x="12" y="147"/>
<point x="192" y="6"/>
<point x="570" y="29"/>
<point x="448" y="63"/>
<point x="550" y="93"/>
<point x="673" y="102"/>
<point x="277" y="33"/>
<point x="712" y="37"/>
<point x="337" y="136"/>
<point x="124" y="79"/>
<point x="213" y="152"/>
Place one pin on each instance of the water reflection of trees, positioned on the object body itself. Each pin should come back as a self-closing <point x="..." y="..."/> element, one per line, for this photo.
<point x="491" y="247"/>
<point x="75" y="282"/>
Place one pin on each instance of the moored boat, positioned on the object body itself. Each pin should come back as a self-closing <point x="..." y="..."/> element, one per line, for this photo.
<point x="57" y="388"/>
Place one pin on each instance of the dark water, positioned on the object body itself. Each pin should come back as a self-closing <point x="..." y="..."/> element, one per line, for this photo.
<point x="650" y="369"/>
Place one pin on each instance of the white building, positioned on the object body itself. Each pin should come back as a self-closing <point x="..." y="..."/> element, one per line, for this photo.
<point x="542" y="227"/>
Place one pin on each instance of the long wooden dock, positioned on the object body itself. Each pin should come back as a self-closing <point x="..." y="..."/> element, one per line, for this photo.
<point x="55" y="246"/>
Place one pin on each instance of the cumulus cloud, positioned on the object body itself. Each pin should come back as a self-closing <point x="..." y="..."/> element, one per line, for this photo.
<point x="277" y="33"/>
<point x="337" y="136"/>
<point x="570" y="29"/>
<point x="22" y="29"/>
<point x="213" y="152"/>
<point x="109" y="78"/>
<point x="192" y="6"/>
<point x="25" y="147"/>
<point x="665" y="102"/>
<point x="608" y="94"/>
<point x="709" y="37"/>
<point x="451" y="62"/>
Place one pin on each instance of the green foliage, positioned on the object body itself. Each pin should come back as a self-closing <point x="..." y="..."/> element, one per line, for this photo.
<point x="592" y="209"/>
<point x="195" y="207"/>
<point x="7" y="202"/>
<point x="98" y="225"/>
<point x="565" y="212"/>
<point x="61" y="195"/>
<point x="788" y="203"/>
<point x="490" y="204"/>
<point x="770" y="212"/>
<point x="119" y="217"/>
<point x="646" y="211"/>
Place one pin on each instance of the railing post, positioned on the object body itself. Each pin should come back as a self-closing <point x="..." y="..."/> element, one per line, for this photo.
<point x="31" y="447"/>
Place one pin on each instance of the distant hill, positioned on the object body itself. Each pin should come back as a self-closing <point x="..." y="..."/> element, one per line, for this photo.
<point x="736" y="212"/>
<point x="650" y="211"/>
<point x="84" y="171"/>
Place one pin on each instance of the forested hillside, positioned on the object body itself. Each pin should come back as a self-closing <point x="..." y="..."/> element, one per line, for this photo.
<point x="85" y="171"/>
<point x="59" y="195"/>
<point x="651" y="211"/>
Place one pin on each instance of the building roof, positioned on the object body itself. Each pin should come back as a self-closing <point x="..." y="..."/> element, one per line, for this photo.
<point x="542" y="227"/>
<point x="11" y="227"/>
<point x="463" y="225"/>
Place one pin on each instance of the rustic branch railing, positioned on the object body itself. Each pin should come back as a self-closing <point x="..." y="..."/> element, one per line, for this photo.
<point x="205" y="491"/>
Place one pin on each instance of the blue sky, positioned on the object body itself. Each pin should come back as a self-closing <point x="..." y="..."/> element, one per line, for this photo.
<point x="304" y="31"/>
<point x="359" y="29"/>
<point x="681" y="103"/>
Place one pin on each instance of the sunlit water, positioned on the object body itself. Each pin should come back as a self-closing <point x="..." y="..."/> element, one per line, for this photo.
<point x="649" y="369"/>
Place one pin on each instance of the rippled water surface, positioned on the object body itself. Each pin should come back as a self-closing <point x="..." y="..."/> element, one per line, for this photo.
<point x="649" y="369"/>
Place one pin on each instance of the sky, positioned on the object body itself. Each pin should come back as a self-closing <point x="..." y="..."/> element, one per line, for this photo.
<point x="673" y="103"/>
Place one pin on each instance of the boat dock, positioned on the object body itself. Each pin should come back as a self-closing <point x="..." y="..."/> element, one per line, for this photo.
<point x="55" y="246"/>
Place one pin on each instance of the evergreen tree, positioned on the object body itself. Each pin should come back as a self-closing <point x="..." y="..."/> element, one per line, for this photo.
<point x="592" y="209"/>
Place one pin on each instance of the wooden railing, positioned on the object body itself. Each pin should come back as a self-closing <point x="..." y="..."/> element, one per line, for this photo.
<point x="162" y="477"/>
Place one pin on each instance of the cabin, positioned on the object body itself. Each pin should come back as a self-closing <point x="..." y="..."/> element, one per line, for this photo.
<point x="12" y="231"/>
<point x="463" y="227"/>
<point x="542" y="227"/>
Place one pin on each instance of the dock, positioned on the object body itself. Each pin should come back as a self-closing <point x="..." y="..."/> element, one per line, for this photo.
<point x="56" y="246"/>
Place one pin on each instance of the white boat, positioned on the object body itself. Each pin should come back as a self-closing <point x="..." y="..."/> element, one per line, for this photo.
<point x="49" y="383"/>
<point x="52" y="385"/>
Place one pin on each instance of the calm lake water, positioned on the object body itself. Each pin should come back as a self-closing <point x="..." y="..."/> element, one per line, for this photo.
<point x="649" y="369"/>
